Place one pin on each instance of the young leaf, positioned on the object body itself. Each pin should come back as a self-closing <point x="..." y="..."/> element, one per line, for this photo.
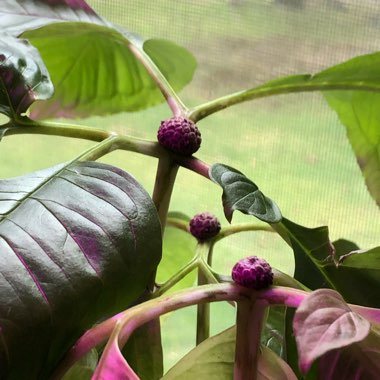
<point x="93" y="70"/>
<point x="324" y="322"/>
<point x="214" y="360"/>
<point x="359" y="113"/>
<point x="23" y="76"/>
<point x="78" y="242"/>
<point x="240" y="193"/>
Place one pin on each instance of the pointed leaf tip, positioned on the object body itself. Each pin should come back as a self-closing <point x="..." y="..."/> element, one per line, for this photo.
<point x="240" y="193"/>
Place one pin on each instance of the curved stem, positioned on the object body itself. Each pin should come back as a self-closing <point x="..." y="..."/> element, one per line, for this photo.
<point x="233" y="229"/>
<point x="178" y="223"/>
<point x="193" y="164"/>
<point x="152" y="309"/>
<point x="183" y="272"/>
<point x="28" y="126"/>
<point x="172" y="99"/>
<point x="163" y="187"/>
<point x="206" y="109"/>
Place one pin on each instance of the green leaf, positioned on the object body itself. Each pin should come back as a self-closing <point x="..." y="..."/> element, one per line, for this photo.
<point x="78" y="242"/>
<point x="178" y="250"/>
<point x="90" y="62"/>
<point x="214" y="359"/>
<point x="273" y="334"/>
<point x="23" y="76"/>
<point x="311" y="247"/>
<point x="84" y="368"/>
<point x="357" y="277"/>
<point x="359" y="113"/>
<point x="143" y="351"/>
<point x="240" y="193"/>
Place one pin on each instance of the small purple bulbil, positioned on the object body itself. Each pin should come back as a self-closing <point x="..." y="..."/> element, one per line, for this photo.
<point x="204" y="226"/>
<point x="179" y="135"/>
<point x="253" y="272"/>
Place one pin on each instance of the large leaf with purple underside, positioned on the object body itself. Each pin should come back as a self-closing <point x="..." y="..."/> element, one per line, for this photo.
<point x="92" y="67"/>
<point x="325" y="327"/>
<point x="23" y="76"/>
<point x="78" y="242"/>
<point x="240" y="193"/>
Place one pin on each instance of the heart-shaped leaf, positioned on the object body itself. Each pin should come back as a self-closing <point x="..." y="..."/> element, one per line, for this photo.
<point x="93" y="70"/>
<point x="23" y="76"/>
<point x="240" y="193"/>
<point x="78" y="242"/>
<point x="324" y="322"/>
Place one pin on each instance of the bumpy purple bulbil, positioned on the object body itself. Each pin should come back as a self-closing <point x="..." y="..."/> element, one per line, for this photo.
<point x="204" y="226"/>
<point x="253" y="272"/>
<point x="179" y="135"/>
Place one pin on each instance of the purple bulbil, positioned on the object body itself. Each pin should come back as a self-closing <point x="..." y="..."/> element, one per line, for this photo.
<point x="204" y="226"/>
<point x="179" y="135"/>
<point x="253" y="272"/>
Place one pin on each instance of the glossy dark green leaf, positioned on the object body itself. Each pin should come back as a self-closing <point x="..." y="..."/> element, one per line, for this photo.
<point x="214" y="358"/>
<point x="312" y="248"/>
<point x="356" y="276"/>
<point x="78" y="242"/>
<point x="23" y="76"/>
<point x="359" y="113"/>
<point x="240" y="193"/>
<point x="91" y="65"/>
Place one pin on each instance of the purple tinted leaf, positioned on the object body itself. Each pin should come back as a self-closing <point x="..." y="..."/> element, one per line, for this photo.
<point x="18" y="16"/>
<point x="23" y="76"/>
<point x="359" y="361"/>
<point x="324" y="322"/>
<point x="113" y="366"/>
<point x="78" y="242"/>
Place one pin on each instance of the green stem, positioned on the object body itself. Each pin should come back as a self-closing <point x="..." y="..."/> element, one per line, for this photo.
<point x="183" y="272"/>
<point x="122" y="142"/>
<point x="27" y="126"/>
<point x="233" y="229"/>
<point x="172" y="99"/>
<point x="178" y="223"/>
<point x="206" y="109"/>
<point x="165" y="177"/>
<point x="203" y="313"/>
<point x="249" y="323"/>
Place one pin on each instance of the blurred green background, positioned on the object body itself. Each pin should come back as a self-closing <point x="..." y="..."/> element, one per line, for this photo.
<point x="292" y="146"/>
